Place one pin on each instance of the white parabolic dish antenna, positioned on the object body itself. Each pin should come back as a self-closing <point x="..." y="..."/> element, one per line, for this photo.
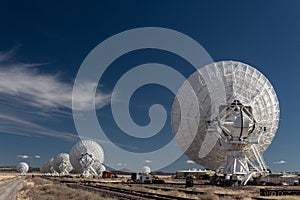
<point x="22" y="167"/>
<point x="48" y="167"/>
<point x="230" y="120"/>
<point x="146" y="170"/>
<point x="62" y="164"/>
<point x="83" y="156"/>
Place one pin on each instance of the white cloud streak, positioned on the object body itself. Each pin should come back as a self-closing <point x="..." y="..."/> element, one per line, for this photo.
<point x="29" y="98"/>
<point x="122" y="164"/>
<point x="280" y="162"/>
<point x="14" y="125"/>
<point x="27" y="156"/>
<point x="190" y="162"/>
<point x="46" y="91"/>
<point x="6" y="56"/>
<point x="23" y="156"/>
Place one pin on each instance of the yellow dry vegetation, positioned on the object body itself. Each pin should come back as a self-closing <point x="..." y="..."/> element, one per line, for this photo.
<point x="4" y="177"/>
<point x="40" y="189"/>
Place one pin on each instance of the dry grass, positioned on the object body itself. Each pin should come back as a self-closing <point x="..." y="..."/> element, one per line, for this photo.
<point x="7" y="177"/>
<point x="38" y="188"/>
<point x="41" y="189"/>
<point x="209" y="196"/>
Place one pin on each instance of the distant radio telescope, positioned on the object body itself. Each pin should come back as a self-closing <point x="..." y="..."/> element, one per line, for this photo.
<point x="48" y="167"/>
<point x="62" y="164"/>
<point x="22" y="168"/>
<point x="227" y="120"/>
<point x="146" y="170"/>
<point x="83" y="156"/>
<point x="43" y="168"/>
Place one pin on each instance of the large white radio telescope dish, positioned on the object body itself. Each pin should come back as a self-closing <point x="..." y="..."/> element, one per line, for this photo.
<point x="83" y="156"/>
<point x="22" y="168"/>
<point x="228" y="119"/>
<point x="62" y="164"/>
<point x="48" y="167"/>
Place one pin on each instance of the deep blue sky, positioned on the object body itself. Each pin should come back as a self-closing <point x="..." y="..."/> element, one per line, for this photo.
<point x="59" y="35"/>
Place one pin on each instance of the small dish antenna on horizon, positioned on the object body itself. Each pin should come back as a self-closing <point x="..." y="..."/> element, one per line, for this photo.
<point x="22" y="168"/>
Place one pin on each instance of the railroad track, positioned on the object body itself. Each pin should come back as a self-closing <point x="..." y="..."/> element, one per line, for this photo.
<point x="120" y="193"/>
<point x="133" y="193"/>
<point x="178" y="189"/>
<point x="123" y="193"/>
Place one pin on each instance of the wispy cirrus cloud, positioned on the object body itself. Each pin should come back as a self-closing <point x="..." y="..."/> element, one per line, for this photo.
<point x="29" y="98"/>
<point x="6" y="56"/>
<point x="46" y="91"/>
<point x="14" y="125"/>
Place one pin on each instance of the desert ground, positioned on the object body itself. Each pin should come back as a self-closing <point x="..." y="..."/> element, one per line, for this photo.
<point x="39" y="187"/>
